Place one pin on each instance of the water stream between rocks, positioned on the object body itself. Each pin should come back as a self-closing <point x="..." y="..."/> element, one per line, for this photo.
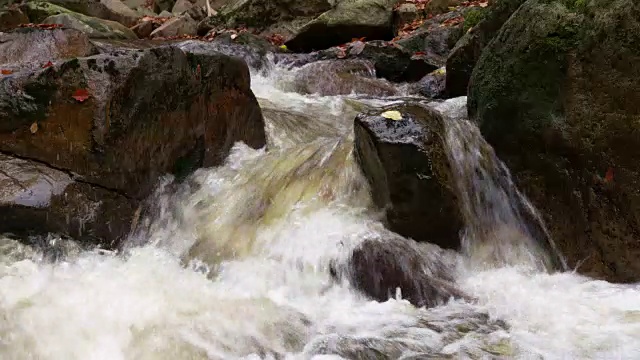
<point x="236" y="265"/>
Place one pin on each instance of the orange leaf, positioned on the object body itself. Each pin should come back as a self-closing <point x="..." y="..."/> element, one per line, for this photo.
<point x="6" y="72"/>
<point x="48" y="64"/>
<point x="608" y="177"/>
<point x="419" y="53"/>
<point x="81" y="95"/>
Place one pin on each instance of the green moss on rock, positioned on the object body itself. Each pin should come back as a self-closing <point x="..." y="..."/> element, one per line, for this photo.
<point x="473" y="17"/>
<point x="558" y="99"/>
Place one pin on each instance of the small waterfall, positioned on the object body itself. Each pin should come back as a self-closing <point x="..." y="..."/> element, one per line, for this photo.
<point x="502" y="227"/>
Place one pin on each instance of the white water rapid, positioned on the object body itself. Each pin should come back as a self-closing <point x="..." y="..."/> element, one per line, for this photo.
<point x="235" y="265"/>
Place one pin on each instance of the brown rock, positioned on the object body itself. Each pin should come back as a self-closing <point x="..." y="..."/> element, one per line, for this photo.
<point x="181" y="25"/>
<point x="11" y="17"/>
<point x="123" y="119"/>
<point x="143" y="29"/>
<point x="37" y="199"/>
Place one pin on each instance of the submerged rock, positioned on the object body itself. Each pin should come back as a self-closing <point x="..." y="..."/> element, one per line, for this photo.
<point x="558" y="100"/>
<point x="340" y="77"/>
<point x="406" y="163"/>
<point x="350" y="19"/>
<point x="379" y="268"/>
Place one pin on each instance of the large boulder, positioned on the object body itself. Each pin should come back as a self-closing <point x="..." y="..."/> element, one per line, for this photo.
<point x="350" y="19"/>
<point x="120" y="120"/>
<point x="262" y="13"/>
<point x="480" y="26"/>
<point x="558" y="99"/>
<point x="406" y="164"/>
<point x="109" y="10"/>
<point x="94" y="27"/>
<point x="27" y="47"/>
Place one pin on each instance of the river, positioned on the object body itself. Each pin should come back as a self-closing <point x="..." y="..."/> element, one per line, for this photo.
<point x="235" y="265"/>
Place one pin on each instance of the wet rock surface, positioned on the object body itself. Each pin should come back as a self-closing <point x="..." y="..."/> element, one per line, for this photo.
<point x="139" y="104"/>
<point x="432" y="85"/>
<point x="36" y="199"/>
<point x="382" y="269"/>
<point x="558" y="101"/>
<point x="117" y="121"/>
<point x="331" y="77"/>
<point x="405" y="162"/>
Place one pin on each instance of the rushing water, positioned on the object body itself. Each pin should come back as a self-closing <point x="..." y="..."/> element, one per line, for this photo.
<point x="235" y="264"/>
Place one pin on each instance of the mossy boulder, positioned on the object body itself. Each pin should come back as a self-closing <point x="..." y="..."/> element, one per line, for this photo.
<point x="480" y="26"/>
<point x="37" y="11"/>
<point x="372" y="19"/>
<point x="406" y="164"/>
<point x="93" y="27"/>
<point x="558" y="99"/>
<point x="262" y="13"/>
<point x="40" y="10"/>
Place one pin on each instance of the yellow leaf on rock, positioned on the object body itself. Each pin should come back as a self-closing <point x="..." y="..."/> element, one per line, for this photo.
<point x="392" y="115"/>
<point x="33" y="127"/>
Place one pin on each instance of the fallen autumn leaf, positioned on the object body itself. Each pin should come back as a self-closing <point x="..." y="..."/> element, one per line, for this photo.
<point x="392" y="115"/>
<point x="81" y="95"/>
